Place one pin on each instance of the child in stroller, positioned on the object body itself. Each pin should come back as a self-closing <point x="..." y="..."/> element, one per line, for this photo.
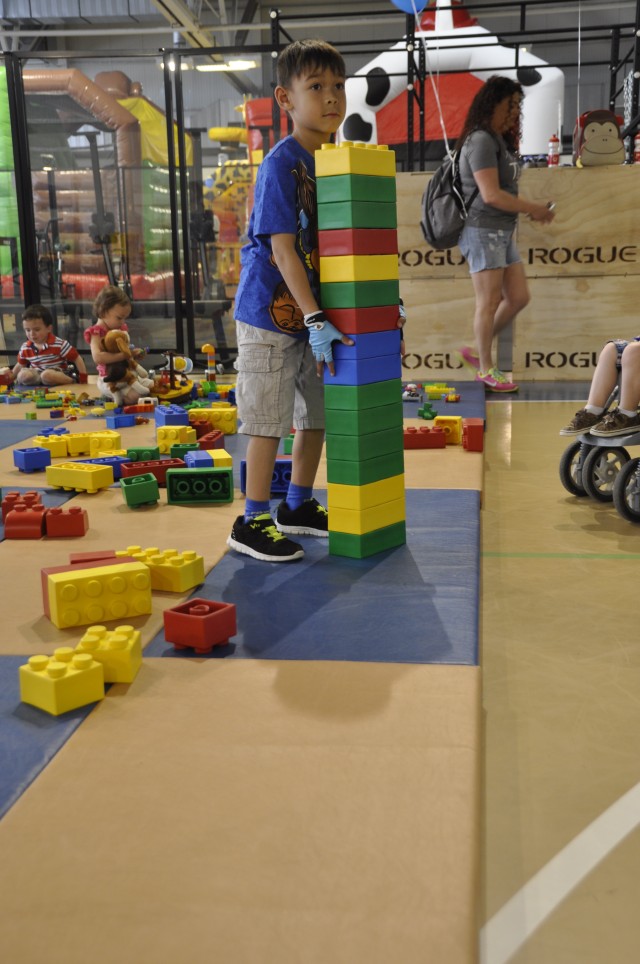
<point x="618" y="360"/>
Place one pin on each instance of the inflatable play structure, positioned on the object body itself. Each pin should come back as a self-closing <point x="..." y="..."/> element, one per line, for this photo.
<point x="453" y="41"/>
<point x="94" y="225"/>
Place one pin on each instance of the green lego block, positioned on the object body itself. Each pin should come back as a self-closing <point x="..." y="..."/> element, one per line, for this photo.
<point x="346" y="472"/>
<point x="179" y="450"/>
<point x="357" y="214"/>
<point x="143" y="454"/>
<point x="356" y="448"/>
<point x="368" y="544"/>
<point x="194" y="486"/>
<point x="44" y="403"/>
<point x="364" y="421"/>
<point x="350" y="397"/>
<point x="140" y="489"/>
<point x="31" y="416"/>
<point x="287" y="444"/>
<point x="359" y="294"/>
<point x="356" y="187"/>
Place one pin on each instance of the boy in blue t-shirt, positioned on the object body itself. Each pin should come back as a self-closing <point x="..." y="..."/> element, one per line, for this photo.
<point x="284" y="339"/>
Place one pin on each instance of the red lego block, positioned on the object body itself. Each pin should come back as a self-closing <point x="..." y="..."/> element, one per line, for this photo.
<point x="357" y="241"/>
<point x="424" y="438"/>
<point x="200" y="624"/>
<point x="139" y="409"/>
<point x="66" y="522"/>
<point x="73" y="567"/>
<point x="13" y="499"/>
<point x="361" y="321"/>
<point x="96" y="556"/>
<point x="213" y="440"/>
<point x="25" y="522"/>
<point x="473" y="434"/>
<point x="155" y="467"/>
<point x="202" y="427"/>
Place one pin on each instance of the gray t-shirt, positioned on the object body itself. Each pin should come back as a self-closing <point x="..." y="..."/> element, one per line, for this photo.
<point x="480" y="151"/>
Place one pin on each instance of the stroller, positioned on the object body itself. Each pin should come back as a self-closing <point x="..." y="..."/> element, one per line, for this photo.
<point x="602" y="469"/>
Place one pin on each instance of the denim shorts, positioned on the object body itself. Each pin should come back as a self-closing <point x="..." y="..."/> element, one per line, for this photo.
<point x="277" y="386"/>
<point x="620" y="347"/>
<point x="488" y="248"/>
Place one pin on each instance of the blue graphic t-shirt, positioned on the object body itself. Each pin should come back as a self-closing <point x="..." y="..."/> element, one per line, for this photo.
<point x="284" y="203"/>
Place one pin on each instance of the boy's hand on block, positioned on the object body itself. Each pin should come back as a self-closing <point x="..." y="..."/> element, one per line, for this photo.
<point x="321" y="336"/>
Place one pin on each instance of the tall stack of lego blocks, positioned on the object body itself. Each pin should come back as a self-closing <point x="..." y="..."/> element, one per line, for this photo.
<point x="356" y="193"/>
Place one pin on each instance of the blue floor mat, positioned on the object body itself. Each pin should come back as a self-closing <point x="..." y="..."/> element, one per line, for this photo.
<point x="30" y="738"/>
<point x="13" y="432"/>
<point x="414" y="604"/>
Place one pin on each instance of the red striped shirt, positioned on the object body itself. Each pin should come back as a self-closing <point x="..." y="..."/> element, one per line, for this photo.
<point x="55" y="354"/>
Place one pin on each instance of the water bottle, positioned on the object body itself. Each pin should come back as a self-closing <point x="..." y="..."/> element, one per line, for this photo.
<point x="553" y="157"/>
<point x="636" y="149"/>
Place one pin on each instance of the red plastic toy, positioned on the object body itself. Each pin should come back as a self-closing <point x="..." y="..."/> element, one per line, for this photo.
<point x="200" y="624"/>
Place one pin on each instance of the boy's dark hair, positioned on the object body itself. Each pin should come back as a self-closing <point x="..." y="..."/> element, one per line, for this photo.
<point x="38" y="312"/>
<point x="307" y="56"/>
<point x="109" y="297"/>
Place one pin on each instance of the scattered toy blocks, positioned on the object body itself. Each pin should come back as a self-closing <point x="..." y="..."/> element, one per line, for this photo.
<point x="424" y="438"/>
<point x="171" y="571"/>
<point x="62" y="683"/>
<point x="25" y="522"/>
<point x="155" y="467"/>
<point x="140" y="489"/>
<point x="13" y="499"/>
<point x="451" y="425"/>
<point x="473" y="434"/>
<point x="119" y="651"/>
<point x="81" y="476"/>
<point x="200" y="624"/>
<point x="171" y="415"/>
<point x="192" y="486"/>
<point x="144" y="454"/>
<point x="31" y="460"/>
<point x="65" y="523"/>
<point x="170" y="435"/>
<point x="280" y="479"/>
<point x="81" y="597"/>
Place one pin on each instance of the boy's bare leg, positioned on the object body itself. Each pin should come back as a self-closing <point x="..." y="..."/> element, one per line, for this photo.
<point x="630" y="381"/>
<point x="52" y="376"/>
<point x="306" y="453"/>
<point x="605" y="376"/>
<point x="28" y="376"/>
<point x="261" y="458"/>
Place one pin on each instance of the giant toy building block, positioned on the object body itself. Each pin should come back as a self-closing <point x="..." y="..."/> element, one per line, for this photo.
<point x="62" y="683"/>
<point x="359" y="290"/>
<point x="81" y="476"/>
<point x="83" y="597"/>
<point x="119" y="651"/>
<point x="171" y="571"/>
<point x="200" y="624"/>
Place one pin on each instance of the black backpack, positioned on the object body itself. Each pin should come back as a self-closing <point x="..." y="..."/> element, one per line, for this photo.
<point x="444" y="208"/>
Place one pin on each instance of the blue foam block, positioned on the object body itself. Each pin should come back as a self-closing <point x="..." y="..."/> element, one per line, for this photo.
<point x="369" y="345"/>
<point x="414" y="604"/>
<point x="363" y="371"/>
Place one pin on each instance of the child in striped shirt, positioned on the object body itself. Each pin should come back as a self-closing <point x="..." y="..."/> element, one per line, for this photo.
<point x="45" y="359"/>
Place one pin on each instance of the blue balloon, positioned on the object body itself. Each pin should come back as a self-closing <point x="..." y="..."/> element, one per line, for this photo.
<point x="407" y="5"/>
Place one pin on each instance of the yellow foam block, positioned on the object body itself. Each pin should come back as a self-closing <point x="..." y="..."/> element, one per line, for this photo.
<point x="170" y="435"/>
<point x="221" y="458"/>
<point x="359" y="267"/>
<point x="56" y="444"/>
<point x="81" y="476"/>
<point x="350" y="158"/>
<point x="225" y="420"/>
<point x="171" y="571"/>
<point x="88" y="596"/>
<point x="62" y="683"/>
<point x="359" y="521"/>
<point x="451" y="425"/>
<point x="118" y="651"/>
<point x="365" y="496"/>
<point x="107" y="441"/>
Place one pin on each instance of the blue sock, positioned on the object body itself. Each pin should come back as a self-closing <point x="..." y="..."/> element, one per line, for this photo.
<point x="297" y="494"/>
<point x="253" y="508"/>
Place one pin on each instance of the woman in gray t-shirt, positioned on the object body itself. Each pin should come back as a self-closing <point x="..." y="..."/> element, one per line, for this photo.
<point x="489" y="168"/>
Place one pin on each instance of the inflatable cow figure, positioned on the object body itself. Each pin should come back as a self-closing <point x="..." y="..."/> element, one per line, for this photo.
<point x="455" y="42"/>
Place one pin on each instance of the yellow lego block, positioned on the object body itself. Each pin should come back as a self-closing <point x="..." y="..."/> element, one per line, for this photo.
<point x="171" y="571"/>
<point x="83" y="477"/>
<point x="169" y="435"/>
<point x="79" y="443"/>
<point x="112" y="452"/>
<point x="89" y="596"/>
<point x="359" y="521"/>
<point x="359" y="267"/>
<point x="451" y="425"/>
<point x="221" y="458"/>
<point x="367" y="496"/>
<point x="104" y="442"/>
<point x="350" y="158"/>
<point x="225" y="420"/>
<point x="56" y="444"/>
<point x="119" y="651"/>
<point x="62" y="683"/>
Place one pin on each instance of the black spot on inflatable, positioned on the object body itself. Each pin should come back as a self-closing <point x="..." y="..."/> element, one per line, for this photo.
<point x="357" y="129"/>
<point x="378" y="86"/>
<point x="528" y="76"/>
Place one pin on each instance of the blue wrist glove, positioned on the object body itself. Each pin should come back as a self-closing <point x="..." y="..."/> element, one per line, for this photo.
<point x="321" y="335"/>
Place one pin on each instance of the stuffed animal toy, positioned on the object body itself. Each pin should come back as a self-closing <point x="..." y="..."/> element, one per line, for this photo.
<point x="127" y="380"/>
<point x="596" y="139"/>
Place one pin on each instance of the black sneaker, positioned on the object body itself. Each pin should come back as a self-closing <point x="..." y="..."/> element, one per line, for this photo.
<point x="309" y="519"/>
<point x="260" y="538"/>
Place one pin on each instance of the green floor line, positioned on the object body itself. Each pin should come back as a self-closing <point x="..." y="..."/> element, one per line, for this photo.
<point x="561" y="555"/>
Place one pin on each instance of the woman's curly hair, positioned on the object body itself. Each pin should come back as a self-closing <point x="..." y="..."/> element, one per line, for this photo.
<point x="480" y="113"/>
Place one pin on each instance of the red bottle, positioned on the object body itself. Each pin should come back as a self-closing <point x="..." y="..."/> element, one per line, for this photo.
<point x="553" y="157"/>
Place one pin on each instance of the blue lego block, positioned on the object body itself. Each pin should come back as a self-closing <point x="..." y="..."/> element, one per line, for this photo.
<point x="56" y="413"/>
<point x="371" y="345"/>
<point x="231" y="396"/>
<point x="11" y="399"/>
<point x="280" y="479"/>
<point x="115" y="461"/>
<point x="120" y="421"/>
<point x="59" y="430"/>
<point x="364" y="371"/>
<point x="171" y="415"/>
<point x="31" y="460"/>
<point x="198" y="459"/>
